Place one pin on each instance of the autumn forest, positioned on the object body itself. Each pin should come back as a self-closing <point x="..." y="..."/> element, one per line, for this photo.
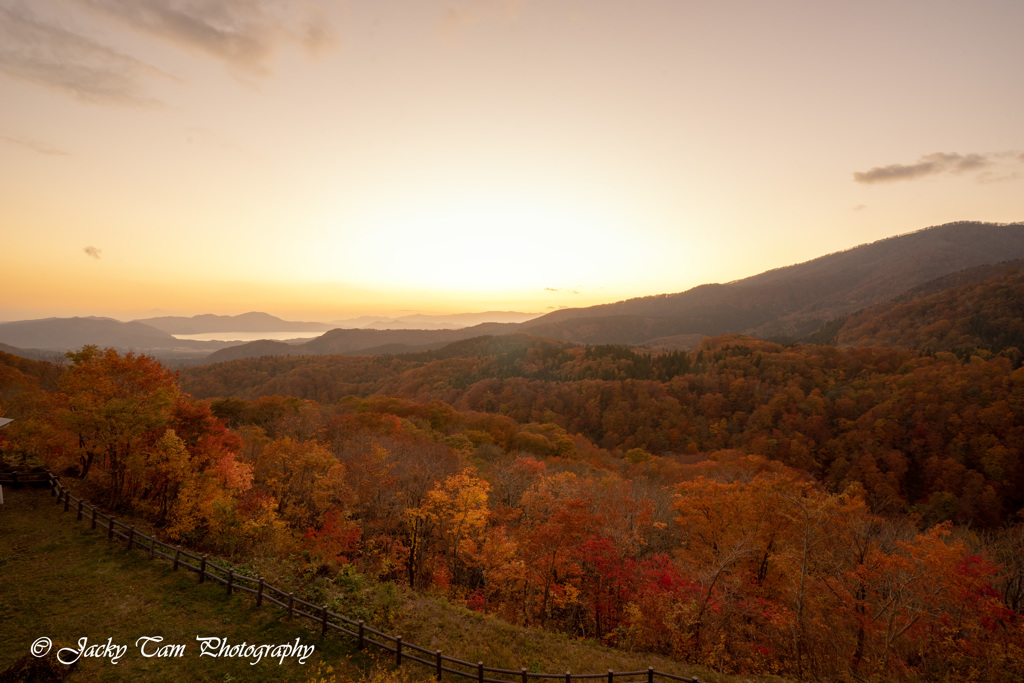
<point x="569" y="340"/>
<point x="845" y="510"/>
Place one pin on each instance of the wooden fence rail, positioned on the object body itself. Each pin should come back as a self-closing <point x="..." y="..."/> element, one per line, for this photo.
<point x="319" y="614"/>
<point x="19" y="479"/>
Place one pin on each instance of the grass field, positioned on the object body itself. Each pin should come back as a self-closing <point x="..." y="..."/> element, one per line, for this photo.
<point x="63" y="581"/>
<point x="60" y="580"/>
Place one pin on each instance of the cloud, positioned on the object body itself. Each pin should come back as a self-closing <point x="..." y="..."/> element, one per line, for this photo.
<point x="989" y="177"/>
<point x="459" y="16"/>
<point x="456" y="19"/>
<point x="93" y="251"/>
<point x="43" y="52"/>
<point x="931" y="164"/>
<point x="35" y="145"/>
<point x="243" y="34"/>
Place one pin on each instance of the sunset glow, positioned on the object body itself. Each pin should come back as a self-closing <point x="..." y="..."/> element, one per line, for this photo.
<point x="321" y="159"/>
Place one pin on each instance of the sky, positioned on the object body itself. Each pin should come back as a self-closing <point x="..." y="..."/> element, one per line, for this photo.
<point x="320" y="159"/>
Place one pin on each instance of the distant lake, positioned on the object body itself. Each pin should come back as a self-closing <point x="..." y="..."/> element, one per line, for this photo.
<point x="247" y="336"/>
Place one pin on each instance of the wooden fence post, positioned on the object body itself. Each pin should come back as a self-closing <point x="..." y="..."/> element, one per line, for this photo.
<point x="291" y="604"/>
<point x="611" y="676"/>
<point x="398" y="651"/>
<point x="53" y="486"/>
<point x="67" y="501"/>
<point x="361" y="634"/>
<point x="202" y="569"/>
<point x="438" y="674"/>
<point x="177" y="554"/>
<point x="480" y="672"/>
<point x="79" y="517"/>
<point x="131" y="536"/>
<point x="110" y="528"/>
<point x="525" y="675"/>
<point x="152" y="547"/>
<point x="259" y="593"/>
<point x="231" y="579"/>
<point x="650" y="674"/>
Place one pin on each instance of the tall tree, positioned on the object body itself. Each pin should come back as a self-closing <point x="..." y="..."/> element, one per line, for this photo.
<point x="111" y="406"/>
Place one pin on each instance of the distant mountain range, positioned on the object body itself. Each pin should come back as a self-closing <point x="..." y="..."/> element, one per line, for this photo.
<point x="421" y="321"/>
<point x="792" y="302"/>
<point x="264" y="322"/>
<point x="246" y="322"/>
<point x="155" y="336"/>
<point x="373" y="342"/>
<point x="62" y="334"/>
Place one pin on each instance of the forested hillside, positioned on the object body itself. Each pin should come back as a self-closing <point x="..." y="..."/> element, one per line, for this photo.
<point x="839" y="512"/>
<point x="933" y="433"/>
<point x="795" y="300"/>
<point x="980" y="309"/>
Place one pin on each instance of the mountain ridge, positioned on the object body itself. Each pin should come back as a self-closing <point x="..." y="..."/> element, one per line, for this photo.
<point x="35" y="338"/>
<point x="206" y="323"/>
<point x="790" y="302"/>
<point x="795" y="300"/>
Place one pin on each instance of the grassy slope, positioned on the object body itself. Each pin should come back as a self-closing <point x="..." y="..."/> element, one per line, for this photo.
<point x="62" y="580"/>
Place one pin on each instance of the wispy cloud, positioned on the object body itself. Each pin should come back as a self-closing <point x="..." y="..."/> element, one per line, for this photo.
<point x="243" y="34"/>
<point x="93" y="252"/>
<point x="35" y="145"/>
<point x="44" y="48"/>
<point x="459" y="16"/>
<point x="456" y="19"/>
<point x="44" y="52"/>
<point x="939" y="162"/>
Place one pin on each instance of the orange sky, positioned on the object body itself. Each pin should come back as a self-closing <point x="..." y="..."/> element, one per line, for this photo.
<point x="318" y="159"/>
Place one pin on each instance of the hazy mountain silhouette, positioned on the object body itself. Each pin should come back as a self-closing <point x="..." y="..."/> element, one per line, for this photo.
<point x="70" y="333"/>
<point x="63" y="334"/>
<point x="422" y="321"/>
<point x="796" y="300"/>
<point x="362" y="341"/>
<point x="246" y="322"/>
<point x="22" y="353"/>
<point x="792" y="302"/>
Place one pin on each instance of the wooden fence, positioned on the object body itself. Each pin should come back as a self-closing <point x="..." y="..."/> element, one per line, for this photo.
<point x="364" y="635"/>
<point x="16" y="479"/>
